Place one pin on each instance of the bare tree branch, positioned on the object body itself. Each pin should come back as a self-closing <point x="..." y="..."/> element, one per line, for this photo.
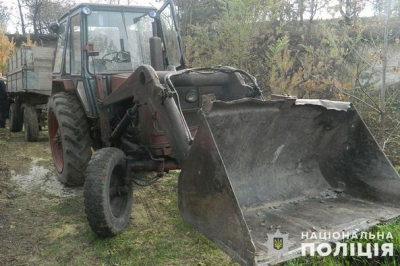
<point x="338" y="88"/>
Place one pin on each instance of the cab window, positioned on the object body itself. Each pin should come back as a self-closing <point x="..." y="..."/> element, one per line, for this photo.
<point x="61" y="46"/>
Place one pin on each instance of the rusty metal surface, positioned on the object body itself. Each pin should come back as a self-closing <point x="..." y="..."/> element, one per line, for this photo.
<point x="118" y="79"/>
<point x="279" y="163"/>
<point x="161" y="123"/>
<point x="158" y="102"/>
<point x="123" y="91"/>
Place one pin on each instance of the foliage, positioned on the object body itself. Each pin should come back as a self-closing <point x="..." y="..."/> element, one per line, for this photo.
<point x="6" y="49"/>
<point x="197" y="12"/>
<point x="29" y="41"/>
<point x="4" y="15"/>
<point x="230" y="35"/>
<point x="233" y="39"/>
<point x="397" y="168"/>
<point x="42" y="12"/>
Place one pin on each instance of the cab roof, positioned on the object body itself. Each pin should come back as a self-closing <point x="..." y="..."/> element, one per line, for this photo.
<point x="109" y="7"/>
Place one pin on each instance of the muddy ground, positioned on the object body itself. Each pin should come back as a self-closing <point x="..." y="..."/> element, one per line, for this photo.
<point x="43" y="223"/>
<point x="23" y="211"/>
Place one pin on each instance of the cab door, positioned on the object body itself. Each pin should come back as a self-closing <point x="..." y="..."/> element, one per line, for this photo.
<point x="168" y="31"/>
<point x="61" y="64"/>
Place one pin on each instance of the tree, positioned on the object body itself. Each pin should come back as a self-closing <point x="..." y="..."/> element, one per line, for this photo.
<point x="350" y="9"/>
<point x="4" y="15"/>
<point x="6" y="49"/>
<point x="51" y="11"/>
<point x="378" y="6"/>
<point x="198" y="12"/>
<point x="34" y="8"/>
<point x="21" y="17"/>
<point x="232" y="33"/>
<point x="42" y="12"/>
<point x="313" y="6"/>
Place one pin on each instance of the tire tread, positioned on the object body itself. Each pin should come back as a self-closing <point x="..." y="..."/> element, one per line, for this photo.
<point x="94" y="193"/>
<point x="31" y="124"/>
<point x="75" y="138"/>
<point x="15" y="118"/>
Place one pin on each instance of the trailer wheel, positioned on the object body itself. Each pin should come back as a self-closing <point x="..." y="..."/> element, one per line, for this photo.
<point x="15" y="118"/>
<point x="69" y="138"/>
<point x="31" y="124"/>
<point x="107" y="192"/>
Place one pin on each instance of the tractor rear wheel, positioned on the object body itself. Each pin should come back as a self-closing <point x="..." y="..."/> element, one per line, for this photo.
<point x="31" y="124"/>
<point x="107" y="192"/>
<point x="69" y="138"/>
<point x="15" y="118"/>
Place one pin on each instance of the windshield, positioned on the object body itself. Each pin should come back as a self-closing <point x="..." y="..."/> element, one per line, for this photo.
<point x="122" y="40"/>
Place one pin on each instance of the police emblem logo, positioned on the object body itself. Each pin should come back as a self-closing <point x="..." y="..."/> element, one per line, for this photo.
<point x="278" y="243"/>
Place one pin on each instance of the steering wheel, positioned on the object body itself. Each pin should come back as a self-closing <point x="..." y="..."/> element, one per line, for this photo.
<point x="118" y="57"/>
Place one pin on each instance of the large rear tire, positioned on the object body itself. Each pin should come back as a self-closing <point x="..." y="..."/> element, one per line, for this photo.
<point x="31" y="124"/>
<point x="15" y="118"/>
<point x="108" y="196"/>
<point x="69" y="138"/>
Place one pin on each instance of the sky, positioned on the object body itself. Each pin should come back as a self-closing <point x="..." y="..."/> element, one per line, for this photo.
<point x="13" y="24"/>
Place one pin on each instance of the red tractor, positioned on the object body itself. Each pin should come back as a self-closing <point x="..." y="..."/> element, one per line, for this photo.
<point x="120" y="88"/>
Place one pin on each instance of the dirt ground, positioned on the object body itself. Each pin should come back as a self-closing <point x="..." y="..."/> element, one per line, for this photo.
<point x="28" y="187"/>
<point x="43" y="223"/>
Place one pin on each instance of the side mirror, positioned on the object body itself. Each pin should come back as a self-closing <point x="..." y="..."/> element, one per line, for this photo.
<point x="54" y="27"/>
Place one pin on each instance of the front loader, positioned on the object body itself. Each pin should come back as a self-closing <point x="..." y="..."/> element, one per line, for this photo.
<point x="247" y="164"/>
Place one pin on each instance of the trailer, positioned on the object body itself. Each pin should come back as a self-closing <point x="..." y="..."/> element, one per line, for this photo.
<point x="29" y="83"/>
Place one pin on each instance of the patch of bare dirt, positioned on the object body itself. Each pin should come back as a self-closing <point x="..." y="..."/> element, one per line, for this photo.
<point x="28" y="188"/>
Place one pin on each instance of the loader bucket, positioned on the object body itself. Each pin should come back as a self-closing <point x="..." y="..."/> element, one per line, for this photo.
<point x="297" y="165"/>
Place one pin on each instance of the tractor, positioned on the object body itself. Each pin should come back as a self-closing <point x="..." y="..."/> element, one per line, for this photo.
<point x="124" y="110"/>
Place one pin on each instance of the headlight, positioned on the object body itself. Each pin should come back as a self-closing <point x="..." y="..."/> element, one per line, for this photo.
<point x="86" y="10"/>
<point x="153" y="14"/>
<point x="192" y="96"/>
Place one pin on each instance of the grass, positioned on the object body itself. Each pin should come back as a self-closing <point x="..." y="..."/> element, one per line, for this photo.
<point x="158" y="237"/>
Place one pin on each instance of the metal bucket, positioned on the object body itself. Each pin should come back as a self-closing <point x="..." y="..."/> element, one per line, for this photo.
<point x="296" y="165"/>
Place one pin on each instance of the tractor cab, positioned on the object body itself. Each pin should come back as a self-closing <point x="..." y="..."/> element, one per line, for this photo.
<point x="118" y="41"/>
<point x="106" y="40"/>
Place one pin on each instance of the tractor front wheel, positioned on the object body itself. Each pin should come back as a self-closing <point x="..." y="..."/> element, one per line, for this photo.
<point x="108" y="192"/>
<point x="69" y="138"/>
